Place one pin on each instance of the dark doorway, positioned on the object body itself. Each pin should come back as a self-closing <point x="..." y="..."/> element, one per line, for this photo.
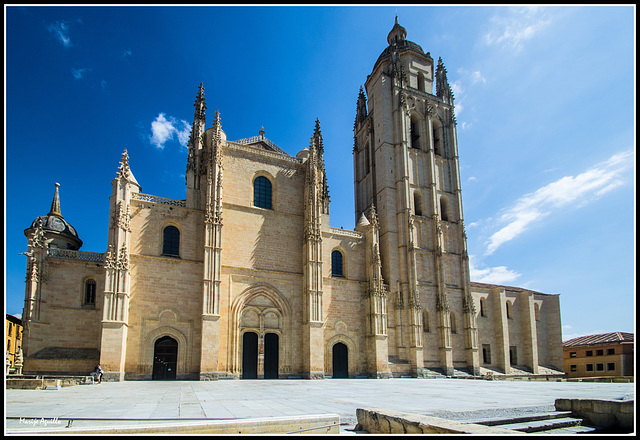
<point x="250" y="355"/>
<point x="340" y="361"/>
<point x="271" y="356"/>
<point x="165" y="359"/>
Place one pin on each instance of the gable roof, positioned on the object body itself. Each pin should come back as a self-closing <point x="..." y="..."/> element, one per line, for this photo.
<point x="604" y="338"/>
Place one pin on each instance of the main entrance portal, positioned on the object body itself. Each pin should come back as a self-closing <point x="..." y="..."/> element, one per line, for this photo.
<point x="165" y="359"/>
<point x="260" y="361"/>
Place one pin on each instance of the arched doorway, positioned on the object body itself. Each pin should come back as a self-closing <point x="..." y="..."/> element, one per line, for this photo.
<point x="165" y="359"/>
<point x="271" y="357"/>
<point x="340" y="361"/>
<point x="250" y="355"/>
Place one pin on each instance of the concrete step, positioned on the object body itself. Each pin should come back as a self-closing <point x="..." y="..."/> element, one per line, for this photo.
<point x="523" y="419"/>
<point x="579" y="429"/>
<point x="542" y="425"/>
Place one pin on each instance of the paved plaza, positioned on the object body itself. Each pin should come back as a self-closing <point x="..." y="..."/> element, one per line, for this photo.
<point x="226" y="399"/>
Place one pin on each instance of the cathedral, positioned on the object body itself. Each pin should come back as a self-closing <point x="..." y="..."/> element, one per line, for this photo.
<point x="245" y="279"/>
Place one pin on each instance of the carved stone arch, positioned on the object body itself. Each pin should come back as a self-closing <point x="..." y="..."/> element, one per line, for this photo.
<point x="278" y="306"/>
<point x="351" y="347"/>
<point x="182" y="367"/>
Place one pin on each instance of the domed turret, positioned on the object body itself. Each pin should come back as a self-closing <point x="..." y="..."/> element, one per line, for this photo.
<point x="63" y="235"/>
<point x="397" y="34"/>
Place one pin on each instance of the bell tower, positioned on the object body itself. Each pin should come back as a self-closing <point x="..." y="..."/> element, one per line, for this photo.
<point x="406" y="168"/>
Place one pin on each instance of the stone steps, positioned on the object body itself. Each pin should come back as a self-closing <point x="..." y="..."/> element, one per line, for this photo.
<point x="558" y="422"/>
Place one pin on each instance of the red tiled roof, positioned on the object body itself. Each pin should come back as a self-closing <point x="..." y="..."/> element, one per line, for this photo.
<point x="605" y="338"/>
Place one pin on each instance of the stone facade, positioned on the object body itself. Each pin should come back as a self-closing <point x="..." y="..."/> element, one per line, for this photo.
<point x="245" y="277"/>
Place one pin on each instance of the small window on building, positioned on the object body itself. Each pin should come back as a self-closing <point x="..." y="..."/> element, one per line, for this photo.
<point x="599" y="352"/>
<point x="572" y="354"/>
<point x="589" y="367"/>
<point x="611" y="351"/>
<point x="599" y="367"/>
<point x="262" y="192"/>
<point x="573" y="368"/>
<point x="611" y="366"/>
<point x="421" y="82"/>
<point x="90" y="293"/>
<point x="536" y="310"/>
<point x="589" y="353"/>
<point x="171" y="241"/>
<point x="513" y="355"/>
<point x="336" y="264"/>
<point x="486" y="353"/>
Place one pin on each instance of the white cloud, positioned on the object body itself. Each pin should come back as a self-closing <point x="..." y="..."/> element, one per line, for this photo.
<point x="61" y="31"/>
<point x="514" y="28"/>
<point x="163" y="130"/>
<point x="476" y="77"/>
<point x="492" y="275"/>
<point x="126" y="53"/>
<point x="79" y="73"/>
<point x="577" y="191"/>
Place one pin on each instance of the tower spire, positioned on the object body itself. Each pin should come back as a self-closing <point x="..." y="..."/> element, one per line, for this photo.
<point x="55" y="204"/>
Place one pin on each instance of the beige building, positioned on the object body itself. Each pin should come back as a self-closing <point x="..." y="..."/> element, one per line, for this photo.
<point x="601" y="355"/>
<point x="245" y="278"/>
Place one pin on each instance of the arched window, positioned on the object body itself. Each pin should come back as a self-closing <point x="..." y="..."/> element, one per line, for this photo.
<point x="171" y="241"/>
<point x="90" y="292"/>
<point x="336" y="264"/>
<point x="262" y="192"/>
<point x="483" y="307"/>
<point x="444" y="214"/>
<point x="417" y="203"/>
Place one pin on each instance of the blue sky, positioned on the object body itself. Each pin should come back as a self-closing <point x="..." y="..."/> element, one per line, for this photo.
<point x="545" y="104"/>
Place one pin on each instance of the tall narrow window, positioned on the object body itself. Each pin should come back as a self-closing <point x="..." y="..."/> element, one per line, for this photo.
<point x="336" y="264"/>
<point x="509" y="310"/>
<point x="417" y="203"/>
<point x="483" y="307"/>
<point x="90" y="292"/>
<point x="444" y="215"/>
<point x="171" y="242"/>
<point x="262" y="192"/>
<point x="421" y="85"/>
<point x="454" y="326"/>
<point x="425" y="321"/>
<point x="415" y="136"/>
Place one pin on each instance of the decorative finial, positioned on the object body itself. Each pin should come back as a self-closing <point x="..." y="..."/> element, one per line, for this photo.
<point x="261" y="132"/>
<point x="123" y="169"/>
<point x="55" y="204"/>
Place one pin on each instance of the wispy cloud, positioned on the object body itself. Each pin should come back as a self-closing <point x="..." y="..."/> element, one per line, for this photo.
<point x="491" y="275"/>
<point x="79" y="73"/>
<point x="126" y="53"/>
<point x="163" y="130"/>
<point x="512" y="29"/>
<point x="574" y="191"/>
<point x="60" y="30"/>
